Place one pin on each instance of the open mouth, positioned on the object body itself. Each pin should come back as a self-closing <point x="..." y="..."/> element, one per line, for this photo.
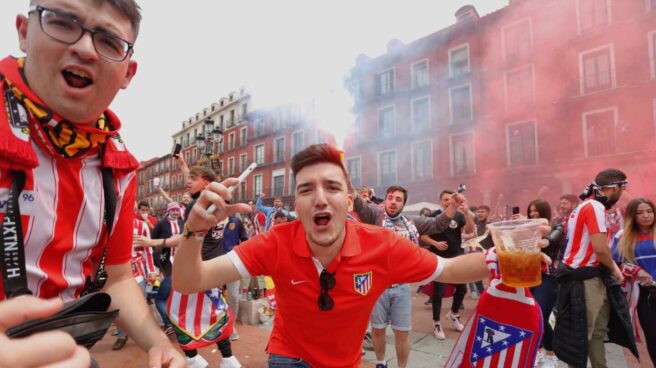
<point x="76" y="78"/>
<point x="322" y="219"/>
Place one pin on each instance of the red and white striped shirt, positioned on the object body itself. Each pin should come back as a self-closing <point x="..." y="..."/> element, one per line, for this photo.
<point x="142" y="259"/>
<point x="61" y="209"/>
<point x="586" y="219"/>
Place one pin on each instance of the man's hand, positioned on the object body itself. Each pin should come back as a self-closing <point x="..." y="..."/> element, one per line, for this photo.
<point x="165" y="357"/>
<point x="216" y="194"/>
<point x="53" y="348"/>
<point x="617" y="273"/>
<point x="140" y="241"/>
<point x="441" y="245"/>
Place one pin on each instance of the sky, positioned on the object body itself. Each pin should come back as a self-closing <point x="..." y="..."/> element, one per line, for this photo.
<point x="191" y="53"/>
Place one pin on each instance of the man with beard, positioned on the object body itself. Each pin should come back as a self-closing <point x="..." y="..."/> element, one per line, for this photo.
<point x="586" y="259"/>
<point x="566" y="205"/>
<point x="269" y="212"/>
<point x="394" y="307"/>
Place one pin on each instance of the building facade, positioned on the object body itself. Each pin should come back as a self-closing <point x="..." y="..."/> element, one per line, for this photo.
<point x="527" y="102"/>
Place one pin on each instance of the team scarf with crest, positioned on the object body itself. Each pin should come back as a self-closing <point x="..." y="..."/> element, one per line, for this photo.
<point x="505" y="329"/>
<point x="30" y="119"/>
<point x="411" y="232"/>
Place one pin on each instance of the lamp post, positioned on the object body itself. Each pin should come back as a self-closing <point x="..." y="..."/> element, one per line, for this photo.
<point x="210" y="142"/>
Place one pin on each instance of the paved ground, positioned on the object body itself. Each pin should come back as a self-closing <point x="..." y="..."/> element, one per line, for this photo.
<point x="426" y="350"/>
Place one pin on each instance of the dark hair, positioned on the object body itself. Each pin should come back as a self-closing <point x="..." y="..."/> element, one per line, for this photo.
<point x="204" y="172"/>
<point x="446" y="191"/>
<point x="483" y="207"/>
<point x="398" y="188"/>
<point x="570" y="198"/>
<point x="543" y="207"/>
<point x="609" y="176"/>
<point x="279" y="214"/>
<point x="143" y="204"/>
<point x="130" y="9"/>
<point x="425" y="211"/>
<point x="316" y="154"/>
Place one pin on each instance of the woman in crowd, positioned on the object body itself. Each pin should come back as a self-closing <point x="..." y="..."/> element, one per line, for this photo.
<point x="634" y="249"/>
<point x="545" y="294"/>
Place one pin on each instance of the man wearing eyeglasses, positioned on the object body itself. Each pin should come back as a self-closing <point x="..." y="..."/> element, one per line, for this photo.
<point x="59" y="144"/>
<point x="328" y="271"/>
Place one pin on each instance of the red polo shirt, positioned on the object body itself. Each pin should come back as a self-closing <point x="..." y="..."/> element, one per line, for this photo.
<point x="370" y="260"/>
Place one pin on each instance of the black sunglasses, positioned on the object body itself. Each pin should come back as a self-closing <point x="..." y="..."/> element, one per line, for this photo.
<point x="327" y="282"/>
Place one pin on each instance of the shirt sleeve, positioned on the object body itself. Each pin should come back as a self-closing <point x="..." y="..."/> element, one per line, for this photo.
<point x="411" y="263"/>
<point x="595" y="218"/>
<point x="119" y="245"/>
<point x="255" y="257"/>
<point x="431" y="225"/>
<point x="368" y="213"/>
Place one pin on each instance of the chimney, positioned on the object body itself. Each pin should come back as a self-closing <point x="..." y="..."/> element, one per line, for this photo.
<point x="394" y="45"/>
<point x="467" y="13"/>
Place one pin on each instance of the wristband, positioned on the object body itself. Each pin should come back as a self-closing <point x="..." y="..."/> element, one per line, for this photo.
<point x="187" y="233"/>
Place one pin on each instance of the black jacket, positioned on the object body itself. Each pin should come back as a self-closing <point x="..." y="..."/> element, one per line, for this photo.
<point x="571" y="332"/>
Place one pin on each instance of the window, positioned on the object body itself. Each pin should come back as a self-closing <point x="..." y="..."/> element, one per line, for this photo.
<point x="292" y="184"/>
<point x="651" y="5"/>
<point x="386" y="122"/>
<point x="354" y="170"/>
<point x="278" y="123"/>
<point x="459" y="60"/>
<point x="517" y="39"/>
<point x="387" y="168"/>
<point x="297" y="142"/>
<point x="462" y="154"/>
<point x="599" y="130"/>
<point x="232" y="118"/>
<point x="521" y="143"/>
<point x="420" y="74"/>
<point x="231" y="166"/>
<point x="385" y="82"/>
<point x="597" y="69"/>
<point x="422" y="160"/>
<point x="278" y="182"/>
<point x="461" y="103"/>
<point x="258" y="153"/>
<point x="258" y="127"/>
<point x="421" y="113"/>
<point x="520" y="91"/>
<point x="592" y="13"/>
<point x="257" y="185"/>
<point x="242" y="162"/>
<point x="242" y="190"/>
<point x="231" y="141"/>
<point x="244" y="111"/>
<point x="243" y="136"/>
<point x="279" y="149"/>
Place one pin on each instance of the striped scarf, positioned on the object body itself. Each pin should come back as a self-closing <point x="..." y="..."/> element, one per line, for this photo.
<point x="410" y="231"/>
<point x="65" y="138"/>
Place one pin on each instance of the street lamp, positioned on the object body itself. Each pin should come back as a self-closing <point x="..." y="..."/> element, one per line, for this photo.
<point x="210" y="142"/>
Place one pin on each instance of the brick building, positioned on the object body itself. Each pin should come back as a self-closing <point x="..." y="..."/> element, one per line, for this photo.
<point x="229" y="136"/>
<point x="529" y="101"/>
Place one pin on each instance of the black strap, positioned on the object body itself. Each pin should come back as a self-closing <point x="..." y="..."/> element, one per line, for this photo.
<point x="12" y="251"/>
<point x="12" y="247"/>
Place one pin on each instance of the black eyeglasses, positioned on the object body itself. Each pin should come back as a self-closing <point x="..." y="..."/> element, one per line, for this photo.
<point x="65" y="28"/>
<point x="327" y="282"/>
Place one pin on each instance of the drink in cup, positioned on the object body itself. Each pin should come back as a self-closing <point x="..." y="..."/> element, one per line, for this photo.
<point x="519" y="254"/>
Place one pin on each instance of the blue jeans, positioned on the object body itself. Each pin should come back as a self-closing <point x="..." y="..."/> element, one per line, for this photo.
<point x="545" y="294"/>
<point x="160" y="301"/>
<point x="286" y="362"/>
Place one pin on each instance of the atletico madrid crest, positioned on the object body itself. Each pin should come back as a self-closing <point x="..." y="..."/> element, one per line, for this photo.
<point x="362" y="282"/>
<point x="493" y="337"/>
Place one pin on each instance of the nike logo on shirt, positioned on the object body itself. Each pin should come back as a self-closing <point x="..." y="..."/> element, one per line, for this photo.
<point x="298" y="282"/>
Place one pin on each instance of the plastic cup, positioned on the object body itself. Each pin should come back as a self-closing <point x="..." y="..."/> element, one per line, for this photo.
<point x="520" y="258"/>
